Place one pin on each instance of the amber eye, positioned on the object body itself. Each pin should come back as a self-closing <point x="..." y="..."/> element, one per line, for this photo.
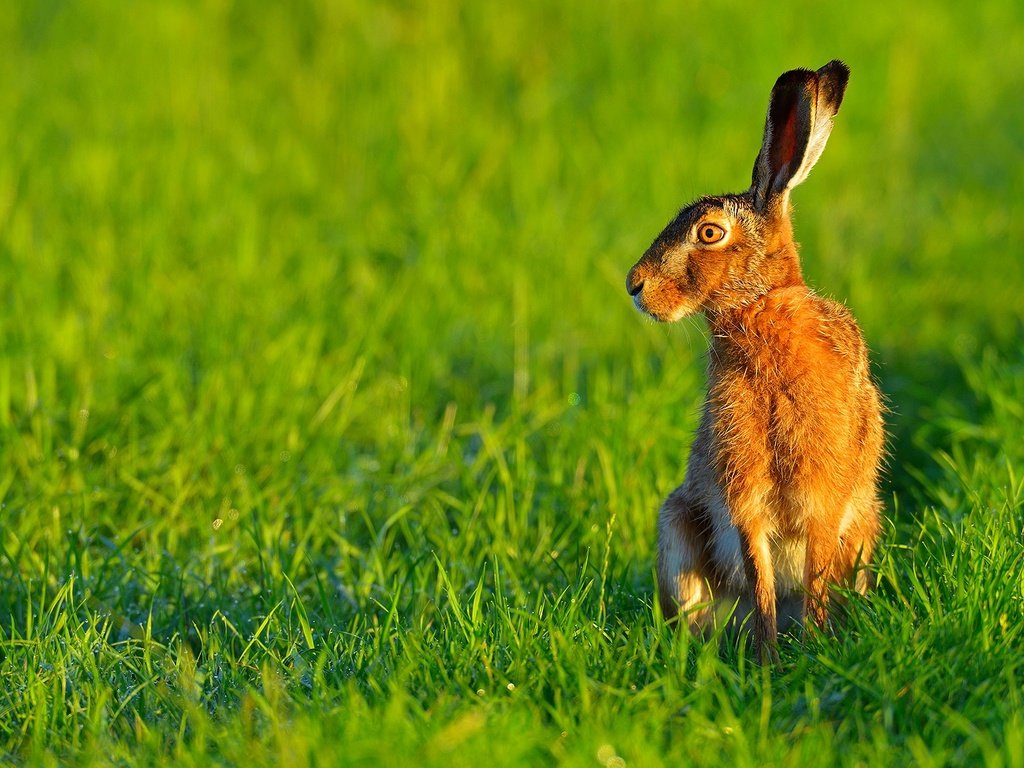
<point x="710" y="233"/>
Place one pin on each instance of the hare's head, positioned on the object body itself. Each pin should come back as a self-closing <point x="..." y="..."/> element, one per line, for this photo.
<point x="723" y="252"/>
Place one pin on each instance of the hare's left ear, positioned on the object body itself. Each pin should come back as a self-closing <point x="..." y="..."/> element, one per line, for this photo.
<point x="799" y="121"/>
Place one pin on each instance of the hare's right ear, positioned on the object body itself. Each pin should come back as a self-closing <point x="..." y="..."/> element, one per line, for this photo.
<point x="799" y="121"/>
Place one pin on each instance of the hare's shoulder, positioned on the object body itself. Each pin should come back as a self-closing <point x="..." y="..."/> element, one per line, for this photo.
<point x="798" y="318"/>
<point x="787" y="336"/>
<point x="838" y="328"/>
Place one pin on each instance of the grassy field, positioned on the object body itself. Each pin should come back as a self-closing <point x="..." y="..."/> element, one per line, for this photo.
<point x="329" y="435"/>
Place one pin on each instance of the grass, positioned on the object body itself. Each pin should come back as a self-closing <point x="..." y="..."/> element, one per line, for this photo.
<point x="330" y="436"/>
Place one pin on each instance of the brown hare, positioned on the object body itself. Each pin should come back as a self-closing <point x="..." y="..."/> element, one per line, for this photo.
<point x="780" y="498"/>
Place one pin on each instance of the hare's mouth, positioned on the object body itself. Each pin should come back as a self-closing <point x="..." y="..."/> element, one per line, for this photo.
<point x="663" y="301"/>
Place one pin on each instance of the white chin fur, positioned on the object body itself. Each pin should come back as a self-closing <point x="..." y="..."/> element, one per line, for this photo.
<point x="678" y="314"/>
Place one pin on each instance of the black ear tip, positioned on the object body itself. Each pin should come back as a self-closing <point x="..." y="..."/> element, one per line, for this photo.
<point x="834" y="67"/>
<point x="794" y="79"/>
<point x="832" y="80"/>
<point x="836" y="71"/>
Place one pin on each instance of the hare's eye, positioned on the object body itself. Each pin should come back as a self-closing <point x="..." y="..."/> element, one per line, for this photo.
<point x="710" y="233"/>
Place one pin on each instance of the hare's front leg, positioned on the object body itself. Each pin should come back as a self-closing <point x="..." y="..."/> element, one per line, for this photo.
<point x="757" y="562"/>
<point x="822" y="551"/>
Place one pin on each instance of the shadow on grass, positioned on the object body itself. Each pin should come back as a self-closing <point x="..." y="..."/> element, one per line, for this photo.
<point x="923" y="391"/>
<point x="912" y="391"/>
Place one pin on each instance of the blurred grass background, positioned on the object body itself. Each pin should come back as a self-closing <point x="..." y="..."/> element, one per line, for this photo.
<point x="322" y="400"/>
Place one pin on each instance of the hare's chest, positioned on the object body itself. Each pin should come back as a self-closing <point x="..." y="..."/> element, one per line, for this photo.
<point x="774" y="443"/>
<point x="783" y="389"/>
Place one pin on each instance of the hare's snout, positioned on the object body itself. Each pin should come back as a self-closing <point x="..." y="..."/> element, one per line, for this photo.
<point x="634" y="282"/>
<point x="656" y="294"/>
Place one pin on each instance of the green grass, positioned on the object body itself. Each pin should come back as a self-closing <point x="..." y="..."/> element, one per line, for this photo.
<point x="330" y="436"/>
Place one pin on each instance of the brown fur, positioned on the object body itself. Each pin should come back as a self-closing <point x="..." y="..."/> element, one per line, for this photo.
<point x="780" y="498"/>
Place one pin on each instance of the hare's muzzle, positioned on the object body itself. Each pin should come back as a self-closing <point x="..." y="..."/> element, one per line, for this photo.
<point x="634" y="281"/>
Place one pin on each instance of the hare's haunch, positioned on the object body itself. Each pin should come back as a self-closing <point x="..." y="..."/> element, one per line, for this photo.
<point x="780" y="498"/>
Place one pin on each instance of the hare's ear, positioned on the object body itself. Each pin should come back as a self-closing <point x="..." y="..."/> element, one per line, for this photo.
<point x="799" y="121"/>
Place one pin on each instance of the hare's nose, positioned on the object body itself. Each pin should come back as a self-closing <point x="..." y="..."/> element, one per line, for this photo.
<point x="634" y="282"/>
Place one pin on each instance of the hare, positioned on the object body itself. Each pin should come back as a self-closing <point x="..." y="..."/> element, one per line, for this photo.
<point x="780" y="498"/>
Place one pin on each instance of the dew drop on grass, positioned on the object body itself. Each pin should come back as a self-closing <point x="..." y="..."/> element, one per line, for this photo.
<point x="217" y="524"/>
